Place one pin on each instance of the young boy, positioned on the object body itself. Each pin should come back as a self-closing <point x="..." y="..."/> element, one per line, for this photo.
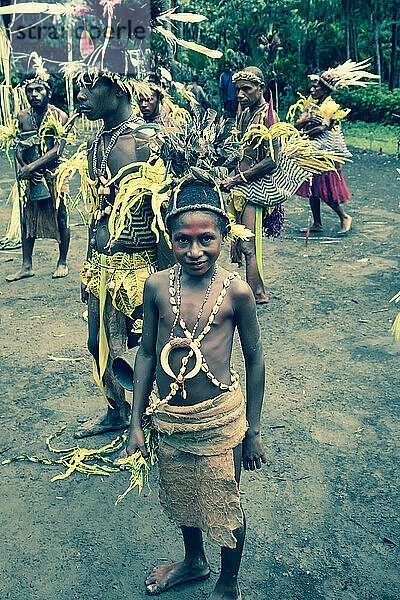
<point x="206" y="430"/>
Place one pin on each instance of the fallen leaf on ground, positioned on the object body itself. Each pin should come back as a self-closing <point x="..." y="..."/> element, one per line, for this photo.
<point x="63" y="358"/>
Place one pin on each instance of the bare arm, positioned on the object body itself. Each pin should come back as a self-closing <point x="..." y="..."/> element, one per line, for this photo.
<point x="302" y="121"/>
<point x="265" y="166"/>
<point x="316" y="131"/>
<point x="250" y="338"/>
<point x="144" y="372"/>
<point x="312" y="126"/>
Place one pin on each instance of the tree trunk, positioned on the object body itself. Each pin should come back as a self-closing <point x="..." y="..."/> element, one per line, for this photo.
<point x="394" y="75"/>
<point x="347" y="21"/>
<point x="377" y="48"/>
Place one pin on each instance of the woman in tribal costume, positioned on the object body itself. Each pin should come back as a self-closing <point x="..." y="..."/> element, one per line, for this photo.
<point x="320" y="121"/>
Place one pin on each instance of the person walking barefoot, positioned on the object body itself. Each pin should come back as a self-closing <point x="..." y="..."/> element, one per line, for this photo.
<point x="320" y="121"/>
<point x="44" y="217"/>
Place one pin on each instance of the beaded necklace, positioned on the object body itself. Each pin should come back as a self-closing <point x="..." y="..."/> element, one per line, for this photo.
<point x="103" y="171"/>
<point x="192" y="344"/>
<point x="35" y="123"/>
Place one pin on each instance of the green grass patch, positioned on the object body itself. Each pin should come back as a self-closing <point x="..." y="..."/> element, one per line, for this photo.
<point x="372" y="136"/>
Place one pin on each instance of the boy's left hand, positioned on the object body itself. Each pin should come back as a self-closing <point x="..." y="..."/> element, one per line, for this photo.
<point x="253" y="451"/>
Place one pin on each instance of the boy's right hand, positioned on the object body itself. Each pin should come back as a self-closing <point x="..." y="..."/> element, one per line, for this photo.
<point x="136" y="442"/>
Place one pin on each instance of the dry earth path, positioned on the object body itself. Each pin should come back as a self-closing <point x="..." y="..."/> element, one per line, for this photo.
<point x="323" y="515"/>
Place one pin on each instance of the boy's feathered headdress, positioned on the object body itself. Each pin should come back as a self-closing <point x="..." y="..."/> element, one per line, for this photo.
<point x="129" y="70"/>
<point x="345" y="75"/>
<point x="196" y="154"/>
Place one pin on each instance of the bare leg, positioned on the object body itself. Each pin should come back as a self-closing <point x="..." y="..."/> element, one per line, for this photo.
<point x="253" y="276"/>
<point x="345" y="220"/>
<point x="65" y="235"/>
<point x="315" y="205"/>
<point x="27" y="251"/>
<point x="227" y="586"/>
<point x="194" y="567"/>
<point x="118" y="416"/>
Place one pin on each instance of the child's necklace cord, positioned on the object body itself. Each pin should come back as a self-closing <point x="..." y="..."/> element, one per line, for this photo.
<point x="176" y="300"/>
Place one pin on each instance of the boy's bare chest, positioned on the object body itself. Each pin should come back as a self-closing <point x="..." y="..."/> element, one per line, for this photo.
<point x="194" y="315"/>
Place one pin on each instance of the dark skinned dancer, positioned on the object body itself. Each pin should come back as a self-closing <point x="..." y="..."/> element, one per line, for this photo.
<point x="255" y="164"/>
<point x="41" y="218"/>
<point x="204" y="438"/>
<point x="329" y="187"/>
<point x="150" y="106"/>
<point x="121" y="142"/>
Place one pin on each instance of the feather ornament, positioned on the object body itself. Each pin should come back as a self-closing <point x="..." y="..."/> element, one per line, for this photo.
<point x="239" y="231"/>
<point x="86" y="193"/>
<point x="352" y="73"/>
<point x="188" y="17"/>
<point x="86" y="45"/>
<point x="294" y="145"/>
<point x="8" y="136"/>
<point x="147" y="180"/>
<point x="38" y="66"/>
<point x="35" y="8"/>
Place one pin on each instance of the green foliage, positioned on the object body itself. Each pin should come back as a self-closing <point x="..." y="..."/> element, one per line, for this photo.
<point x="372" y="136"/>
<point x="371" y="104"/>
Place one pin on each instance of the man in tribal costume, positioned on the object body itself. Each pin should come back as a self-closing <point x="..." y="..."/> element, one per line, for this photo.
<point x="253" y="166"/>
<point x="117" y="263"/>
<point x="151" y="105"/>
<point x="44" y="212"/>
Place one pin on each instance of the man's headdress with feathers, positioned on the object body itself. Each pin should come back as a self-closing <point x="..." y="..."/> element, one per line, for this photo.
<point x="39" y="71"/>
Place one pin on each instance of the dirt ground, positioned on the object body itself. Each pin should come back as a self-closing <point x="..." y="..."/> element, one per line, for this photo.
<point x="323" y="520"/>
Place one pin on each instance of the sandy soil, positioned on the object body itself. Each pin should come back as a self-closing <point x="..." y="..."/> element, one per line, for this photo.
<point x="322" y="515"/>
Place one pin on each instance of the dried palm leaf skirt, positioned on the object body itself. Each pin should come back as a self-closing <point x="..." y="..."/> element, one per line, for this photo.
<point x="196" y="467"/>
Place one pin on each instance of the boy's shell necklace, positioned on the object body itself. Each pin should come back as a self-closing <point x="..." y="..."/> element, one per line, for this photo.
<point x="189" y="342"/>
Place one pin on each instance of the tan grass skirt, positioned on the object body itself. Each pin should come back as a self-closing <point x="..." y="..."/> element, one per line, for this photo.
<point x="196" y="466"/>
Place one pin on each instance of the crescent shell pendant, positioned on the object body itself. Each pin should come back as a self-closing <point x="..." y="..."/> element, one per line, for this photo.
<point x="164" y="358"/>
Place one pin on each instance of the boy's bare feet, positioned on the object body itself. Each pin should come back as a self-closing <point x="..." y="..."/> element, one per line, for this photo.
<point x="226" y="591"/>
<point x="163" y="577"/>
<point x="21" y="274"/>
<point x="101" y="425"/>
<point x="346" y="224"/>
<point x="313" y="229"/>
<point x="61" y="271"/>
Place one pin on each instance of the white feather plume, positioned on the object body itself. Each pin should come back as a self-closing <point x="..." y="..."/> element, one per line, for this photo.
<point x="352" y="73"/>
<point x="38" y="66"/>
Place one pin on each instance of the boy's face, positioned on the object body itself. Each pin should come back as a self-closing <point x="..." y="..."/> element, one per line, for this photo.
<point x="318" y="91"/>
<point x="196" y="242"/>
